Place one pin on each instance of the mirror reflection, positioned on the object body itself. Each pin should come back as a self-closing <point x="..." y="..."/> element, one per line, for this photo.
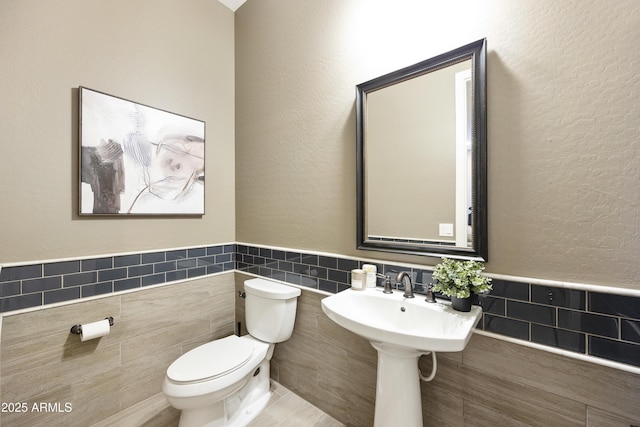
<point x="422" y="157"/>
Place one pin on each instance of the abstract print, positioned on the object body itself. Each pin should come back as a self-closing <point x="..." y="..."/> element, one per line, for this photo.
<point x="140" y="160"/>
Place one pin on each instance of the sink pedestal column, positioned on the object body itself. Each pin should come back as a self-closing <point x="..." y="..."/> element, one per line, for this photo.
<point x="398" y="399"/>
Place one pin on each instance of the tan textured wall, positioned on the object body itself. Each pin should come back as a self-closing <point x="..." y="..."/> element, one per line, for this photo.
<point x="411" y="149"/>
<point x="41" y="361"/>
<point x="174" y="55"/>
<point x="490" y="383"/>
<point x="563" y="124"/>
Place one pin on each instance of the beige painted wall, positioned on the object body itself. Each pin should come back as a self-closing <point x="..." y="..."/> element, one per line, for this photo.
<point x="175" y="55"/>
<point x="563" y="124"/>
<point x="411" y="149"/>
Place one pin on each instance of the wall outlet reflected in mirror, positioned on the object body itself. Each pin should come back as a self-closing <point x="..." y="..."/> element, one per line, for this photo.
<point x="446" y="230"/>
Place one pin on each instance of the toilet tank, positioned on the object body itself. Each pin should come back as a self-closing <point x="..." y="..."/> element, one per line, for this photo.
<point x="270" y="309"/>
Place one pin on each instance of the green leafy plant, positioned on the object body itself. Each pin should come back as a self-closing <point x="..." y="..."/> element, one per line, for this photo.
<point x="460" y="278"/>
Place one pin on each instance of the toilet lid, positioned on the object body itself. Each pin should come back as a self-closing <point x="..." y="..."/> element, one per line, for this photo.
<point x="211" y="360"/>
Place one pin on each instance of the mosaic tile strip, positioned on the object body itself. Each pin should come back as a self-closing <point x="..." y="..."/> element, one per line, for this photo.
<point x="412" y="241"/>
<point x="35" y="285"/>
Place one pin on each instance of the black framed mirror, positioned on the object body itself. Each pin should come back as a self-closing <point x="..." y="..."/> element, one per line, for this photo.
<point x="421" y="166"/>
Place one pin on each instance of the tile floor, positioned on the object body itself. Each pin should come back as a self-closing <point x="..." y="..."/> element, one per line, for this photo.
<point x="288" y="409"/>
<point x="285" y="409"/>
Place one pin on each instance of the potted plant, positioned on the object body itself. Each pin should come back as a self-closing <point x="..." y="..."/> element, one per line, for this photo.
<point x="459" y="280"/>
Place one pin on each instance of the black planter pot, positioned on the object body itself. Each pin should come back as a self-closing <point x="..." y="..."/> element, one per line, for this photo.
<point x="461" y="304"/>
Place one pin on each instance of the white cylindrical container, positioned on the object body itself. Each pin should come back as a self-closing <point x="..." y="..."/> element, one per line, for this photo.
<point x="358" y="279"/>
<point x="370" y="271"/>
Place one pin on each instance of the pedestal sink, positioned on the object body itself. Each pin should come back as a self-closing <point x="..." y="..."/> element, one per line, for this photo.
<point x="401" y="330"/>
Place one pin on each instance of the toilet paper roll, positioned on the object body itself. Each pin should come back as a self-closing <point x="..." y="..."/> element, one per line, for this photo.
<point x="95" y="330"/>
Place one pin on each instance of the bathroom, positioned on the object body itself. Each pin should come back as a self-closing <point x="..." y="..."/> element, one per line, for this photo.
<point x="275" y="83"/>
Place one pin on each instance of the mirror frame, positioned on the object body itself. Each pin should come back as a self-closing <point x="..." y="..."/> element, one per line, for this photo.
<point x="475" y="51"/>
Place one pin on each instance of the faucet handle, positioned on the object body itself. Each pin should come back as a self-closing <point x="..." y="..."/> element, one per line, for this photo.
<point x="429" y="295"/>
<point x="387" y="284"/>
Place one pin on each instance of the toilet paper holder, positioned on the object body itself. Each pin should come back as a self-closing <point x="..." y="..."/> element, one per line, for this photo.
<point x="77" y="329"/>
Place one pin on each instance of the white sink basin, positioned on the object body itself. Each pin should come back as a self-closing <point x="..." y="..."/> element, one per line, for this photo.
<point x="412" y="323"/>
<point x="401" y="330"/>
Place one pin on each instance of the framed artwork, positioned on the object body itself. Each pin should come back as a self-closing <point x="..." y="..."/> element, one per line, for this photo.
<point x="138" y="160"/>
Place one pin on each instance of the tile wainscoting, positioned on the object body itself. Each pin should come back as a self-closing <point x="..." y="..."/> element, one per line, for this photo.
<point x="493" y="382"/>
<point x="41" y="363"/>
<point x="582" y="320"/>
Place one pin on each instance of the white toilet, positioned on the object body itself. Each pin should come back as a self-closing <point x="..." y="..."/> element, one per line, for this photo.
<point x="226" y="382"/>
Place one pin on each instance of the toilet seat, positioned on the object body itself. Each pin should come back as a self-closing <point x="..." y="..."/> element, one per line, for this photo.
<point x="186" y="379"/>
<point x="212" y="360"/>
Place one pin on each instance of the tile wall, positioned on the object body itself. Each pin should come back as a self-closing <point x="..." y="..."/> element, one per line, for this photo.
<point x="491" y="383"/>
<point x="25" y="286"/>
<point x="42" y="363"/>
<point x="597" y="324"/>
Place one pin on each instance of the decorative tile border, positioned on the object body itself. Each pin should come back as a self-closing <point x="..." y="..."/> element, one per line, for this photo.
<point x="412" y="241"/>
<point x="588" y="321"/>
<point x="592" y="323"/>
<point x="584" y="322"/>
<point x="27" y="286"/>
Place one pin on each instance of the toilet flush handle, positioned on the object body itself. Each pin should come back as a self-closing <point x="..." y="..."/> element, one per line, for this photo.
<point x="242" y="294"/>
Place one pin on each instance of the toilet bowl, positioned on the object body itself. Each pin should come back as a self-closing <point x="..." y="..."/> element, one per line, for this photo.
<point x="226" y="382"/>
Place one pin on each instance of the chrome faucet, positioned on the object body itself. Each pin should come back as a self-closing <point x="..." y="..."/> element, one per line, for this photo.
<point x="408" y="290"/>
